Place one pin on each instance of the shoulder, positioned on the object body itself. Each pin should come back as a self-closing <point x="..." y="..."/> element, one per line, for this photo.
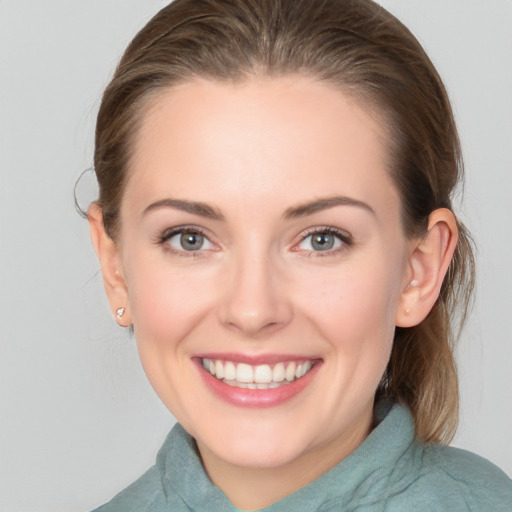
<point x="463" y="465"/>
<point x="147" y="494"/>
<point x="153" y="491"/>
<point x="143" y="495"/>
<point x="446" y="478"/>
<point x="482" y="481"/>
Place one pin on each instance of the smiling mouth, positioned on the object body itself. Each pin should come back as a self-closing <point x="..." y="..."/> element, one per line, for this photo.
<point x="262" y="376"/>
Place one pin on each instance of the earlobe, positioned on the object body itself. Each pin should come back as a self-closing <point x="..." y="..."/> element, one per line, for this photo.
<point x="110" y="261"/>
<point x="429" y="261"/>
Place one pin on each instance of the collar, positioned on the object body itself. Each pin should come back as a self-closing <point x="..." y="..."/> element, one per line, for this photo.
<point x="361" y="478"/>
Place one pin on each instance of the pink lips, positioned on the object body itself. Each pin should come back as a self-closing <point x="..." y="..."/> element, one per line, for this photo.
<point x="255" y="398"/>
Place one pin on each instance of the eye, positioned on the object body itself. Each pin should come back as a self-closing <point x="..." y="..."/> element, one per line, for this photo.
<point x="324" y="240"/>
<point x="188" y="240"/>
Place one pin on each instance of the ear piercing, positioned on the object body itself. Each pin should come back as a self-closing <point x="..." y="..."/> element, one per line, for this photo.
<point x="120" y="312"/>
<point x="412" y="284"/>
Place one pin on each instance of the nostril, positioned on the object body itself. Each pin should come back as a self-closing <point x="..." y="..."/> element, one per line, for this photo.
<point x="254" y="323"/>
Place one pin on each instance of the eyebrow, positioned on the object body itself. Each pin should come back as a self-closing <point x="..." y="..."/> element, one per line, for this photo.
<point x="196" y="208"/>
<point x="318" y="205"/>
<point x="302" y="210"/>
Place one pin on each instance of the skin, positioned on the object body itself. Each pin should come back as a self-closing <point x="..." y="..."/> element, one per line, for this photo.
<point x="253" y="153"/>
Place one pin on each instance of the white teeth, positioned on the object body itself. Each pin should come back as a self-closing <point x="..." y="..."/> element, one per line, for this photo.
<point x="278" y="373"/>
<point x="261" y="376"/>
<point x="229" y="371"/>
<point x="244" y="373"/>
<point x="290" y="372"/>
<point x="302" y="369"/>
<point x="219" y="369"/>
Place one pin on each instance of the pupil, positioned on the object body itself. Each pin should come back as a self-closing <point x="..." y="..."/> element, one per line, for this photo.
<point x="323" y="242"/>
<point x="191" y="241"/>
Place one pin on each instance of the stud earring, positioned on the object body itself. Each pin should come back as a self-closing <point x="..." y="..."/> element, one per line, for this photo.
<point x="412" y="284"/>
<point x="120" y="312"/>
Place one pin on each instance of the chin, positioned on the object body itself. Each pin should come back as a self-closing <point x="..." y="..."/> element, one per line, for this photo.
<point x="254" y="457"/>
<point x="256" y="446"/>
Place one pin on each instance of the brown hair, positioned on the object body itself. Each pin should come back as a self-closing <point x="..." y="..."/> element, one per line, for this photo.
<point x="362" y="49"/>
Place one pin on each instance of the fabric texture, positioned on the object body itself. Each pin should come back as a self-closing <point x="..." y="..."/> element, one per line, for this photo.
<point x="390" y="472"/>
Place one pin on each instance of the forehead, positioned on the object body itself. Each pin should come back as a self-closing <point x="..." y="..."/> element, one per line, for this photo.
<point x="214" y="140"/>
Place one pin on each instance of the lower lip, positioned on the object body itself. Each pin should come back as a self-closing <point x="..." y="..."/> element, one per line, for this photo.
<point x="257" y="398"/>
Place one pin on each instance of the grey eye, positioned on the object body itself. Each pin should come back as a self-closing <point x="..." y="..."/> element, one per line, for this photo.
<point x="321" y="241"/>
<point x="191" y="241"/>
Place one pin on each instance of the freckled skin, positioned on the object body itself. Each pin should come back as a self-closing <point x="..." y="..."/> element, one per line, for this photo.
<point x="251" y="151"/>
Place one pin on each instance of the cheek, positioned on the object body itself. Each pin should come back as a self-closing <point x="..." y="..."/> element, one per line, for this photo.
<point x="354" y="306"/>
<point x="166" y="302"/>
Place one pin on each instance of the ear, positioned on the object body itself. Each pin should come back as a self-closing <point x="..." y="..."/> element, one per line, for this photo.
<point x="429" y="261"/>
<point x="110" y="261"/>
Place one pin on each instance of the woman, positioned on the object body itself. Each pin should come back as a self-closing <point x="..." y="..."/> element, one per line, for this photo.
<point x="275" y="223"/>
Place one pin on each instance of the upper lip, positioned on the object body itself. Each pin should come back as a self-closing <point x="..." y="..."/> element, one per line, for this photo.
<point x="255" y="360"/>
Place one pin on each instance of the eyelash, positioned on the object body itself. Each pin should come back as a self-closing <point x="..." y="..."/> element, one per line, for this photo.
<point x="344" y="238"/>
<point x="167" y="235"/>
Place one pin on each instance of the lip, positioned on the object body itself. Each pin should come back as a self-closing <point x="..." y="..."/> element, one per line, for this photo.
<point x="256" y="398"/>
<point x="255" y="360"/>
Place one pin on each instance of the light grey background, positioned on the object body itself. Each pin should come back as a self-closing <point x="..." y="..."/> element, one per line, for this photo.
<point x="78" y="420"/>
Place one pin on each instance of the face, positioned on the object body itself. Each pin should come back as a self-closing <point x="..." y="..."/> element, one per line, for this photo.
<point x="263" y="257"/>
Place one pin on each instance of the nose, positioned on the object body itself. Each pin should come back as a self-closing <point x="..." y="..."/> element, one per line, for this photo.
<point x="256" y="302"/>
